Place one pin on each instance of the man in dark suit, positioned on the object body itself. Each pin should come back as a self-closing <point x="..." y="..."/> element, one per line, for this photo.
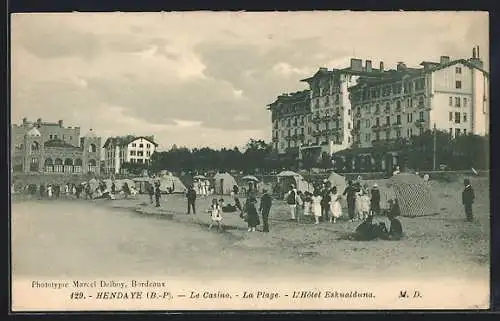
<point x="468" y="199"/>
<point x="265" y="208"/>
<point x="191" y="198"/>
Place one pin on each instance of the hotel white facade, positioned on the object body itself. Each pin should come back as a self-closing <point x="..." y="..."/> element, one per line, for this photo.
<point x="452" y="96"/>
<point x="360" y="106"/>
<point x="127" y="149"/>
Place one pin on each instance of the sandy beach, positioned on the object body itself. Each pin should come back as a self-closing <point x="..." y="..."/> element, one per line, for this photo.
<point x="444" y="256"/>
<point x="101" y="237"/>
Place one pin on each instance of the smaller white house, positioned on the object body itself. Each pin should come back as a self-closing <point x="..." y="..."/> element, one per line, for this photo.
<point x="127" y="149"/>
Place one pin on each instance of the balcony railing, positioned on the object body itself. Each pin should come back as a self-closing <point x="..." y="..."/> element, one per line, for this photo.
<point x="420" y="122"/>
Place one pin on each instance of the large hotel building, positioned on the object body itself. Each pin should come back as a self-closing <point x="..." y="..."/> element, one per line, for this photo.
<point x="360" y="107"/>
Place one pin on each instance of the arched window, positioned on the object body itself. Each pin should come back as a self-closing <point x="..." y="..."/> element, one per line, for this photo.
<point x="398" y="105"/>
<point x="34" y="164"/>
<point x="49" y="165"/>
<point x="35" y="146"/>
<point x="68" y="165"/>
<point x="92" y="148"/>
<point x="77" y="165"/>
<point x="92" y="165"/>
<point x="58" y="165"/>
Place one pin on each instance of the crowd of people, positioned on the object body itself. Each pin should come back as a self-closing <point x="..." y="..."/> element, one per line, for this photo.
<point x="83" y="190"/>
<point x="324" y="204"/>
<point x="321" y="205"/>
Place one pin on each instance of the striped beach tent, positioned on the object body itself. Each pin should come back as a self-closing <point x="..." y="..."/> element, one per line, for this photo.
<point x="414" y="195"/>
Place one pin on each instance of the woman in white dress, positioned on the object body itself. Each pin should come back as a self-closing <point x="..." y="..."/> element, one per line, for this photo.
<point x="365" y="202"/>
<point x="335" y="206"/>
<point x="307" y="204"/>
<point x="207" y="187"/>
<point x="316" y="206"/>
<point x="49" y="191"/>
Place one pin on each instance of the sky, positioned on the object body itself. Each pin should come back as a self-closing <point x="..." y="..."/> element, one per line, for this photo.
<point x="199" y="79"/>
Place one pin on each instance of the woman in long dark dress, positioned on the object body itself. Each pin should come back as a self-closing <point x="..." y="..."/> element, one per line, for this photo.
<point x="252" y="214"/>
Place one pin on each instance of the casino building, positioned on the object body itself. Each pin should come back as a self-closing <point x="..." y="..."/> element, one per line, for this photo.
<point x="51" y="148"/>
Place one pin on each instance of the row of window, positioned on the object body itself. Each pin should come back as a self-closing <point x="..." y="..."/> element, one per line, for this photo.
<point x="55" y="136"/>
<point x="141" y="145"/>
<point x="139" y="153"/>
<point x="409" y="120"/>
<point x="458" y="132"/>
<point x="387" y="134"/>
<point x="138" y="160"/>
<point x="394" y="89"/>
<point x="299" y="107"/>
<point x="455" y="117"/>
<point x="368" y="124"/>
<point x="62" y="168"/>
<point x="456" y="101"/>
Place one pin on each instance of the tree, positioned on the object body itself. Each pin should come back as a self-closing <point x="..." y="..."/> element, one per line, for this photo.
<point x="255" y="155"/>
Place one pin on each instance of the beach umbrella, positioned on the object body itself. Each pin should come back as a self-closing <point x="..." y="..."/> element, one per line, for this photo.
<point x="288" y="174"/>
<point x="250" y="178"/>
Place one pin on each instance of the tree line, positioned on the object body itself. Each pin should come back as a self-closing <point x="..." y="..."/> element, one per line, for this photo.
<point x="461" y="152"/>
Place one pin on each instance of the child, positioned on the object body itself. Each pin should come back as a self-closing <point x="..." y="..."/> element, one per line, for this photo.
<point x="216" y="214"/>
<point x="335" y="206"/>
<point x="49" y="191"/>
<point x="365" y="203"/>
<point x="307" y="204"/>
<point x="316" y="205"/>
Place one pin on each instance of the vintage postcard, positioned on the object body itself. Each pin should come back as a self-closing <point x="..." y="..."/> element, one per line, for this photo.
<point x="250" y="161"/>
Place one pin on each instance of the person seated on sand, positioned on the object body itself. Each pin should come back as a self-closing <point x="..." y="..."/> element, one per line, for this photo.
<point x="226" y="208"/>
<point x="229" y="208"/>
<point x="396" y="229"/>
<point x="366" y="231"/>
<point x="394" y="209"/>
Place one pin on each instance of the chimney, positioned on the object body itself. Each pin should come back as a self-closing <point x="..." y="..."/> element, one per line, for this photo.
<point x="25" y="121"/>
<point x="401" y="66"/>
<point x="39" y="121"/>
<point x="60" y="123"/>
<point x="381" y="66"/>
<point x="477" y="53"/>
<point x="474" y="53"/>
<point x="368" y="66"/>
<point x="444" y="60"/>
<point x="356" y="64"/>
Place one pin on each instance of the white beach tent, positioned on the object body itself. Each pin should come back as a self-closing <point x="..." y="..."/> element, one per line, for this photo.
<point x="337" y="180"/>
<point x="224" y="183"/>
<point x="287" y="178"/>
<point x="172" y="183"/>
